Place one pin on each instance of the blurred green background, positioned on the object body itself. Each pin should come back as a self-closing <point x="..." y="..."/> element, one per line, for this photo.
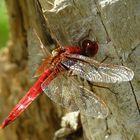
<point x="3" y="24"/>
<point x="4" y="35"/>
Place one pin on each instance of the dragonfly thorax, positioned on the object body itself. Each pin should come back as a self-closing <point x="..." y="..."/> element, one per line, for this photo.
<point x="57" y="51"/>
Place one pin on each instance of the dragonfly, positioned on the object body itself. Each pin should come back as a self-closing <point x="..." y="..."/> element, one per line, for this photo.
<point x="58" y="76"/>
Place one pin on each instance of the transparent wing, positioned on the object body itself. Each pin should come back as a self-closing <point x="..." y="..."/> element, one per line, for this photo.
<point x="35" y="53"/>
<point x="59" y="90"/>
<point x="92" y="70"/>
<point x="44" y="65"/>
<point x="68" y="92"/>
<point x="88" y="103"/>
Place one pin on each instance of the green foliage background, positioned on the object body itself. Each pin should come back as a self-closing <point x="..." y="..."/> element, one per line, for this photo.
<point x="3" y="24"/>
<point x="3" y="34"/>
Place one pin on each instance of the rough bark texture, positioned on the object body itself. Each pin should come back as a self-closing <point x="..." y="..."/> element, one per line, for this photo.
<point x="115" y="24"/>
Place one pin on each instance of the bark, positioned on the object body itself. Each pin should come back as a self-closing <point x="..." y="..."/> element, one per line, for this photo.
<point x="36" y="123"/>
<point x="114" y="25"/>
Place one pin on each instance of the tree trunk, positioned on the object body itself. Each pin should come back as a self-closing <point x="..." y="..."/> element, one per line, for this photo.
<point x="36" y="123"/>
<point x="114" y="24"/>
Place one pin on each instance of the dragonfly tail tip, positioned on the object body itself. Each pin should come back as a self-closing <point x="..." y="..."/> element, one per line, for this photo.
<point x="5" y="123"/>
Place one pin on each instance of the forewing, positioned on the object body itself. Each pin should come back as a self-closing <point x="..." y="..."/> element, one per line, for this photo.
<point x="59" y="90"/>
<point x="92" y="70"/>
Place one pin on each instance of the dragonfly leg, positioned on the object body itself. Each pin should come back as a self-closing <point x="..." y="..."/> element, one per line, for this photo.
<point x="106" y="57"/>
<point x="69" y="73"/>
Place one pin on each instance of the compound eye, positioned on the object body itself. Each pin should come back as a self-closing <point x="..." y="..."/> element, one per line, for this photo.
<point x="90" y="48"/>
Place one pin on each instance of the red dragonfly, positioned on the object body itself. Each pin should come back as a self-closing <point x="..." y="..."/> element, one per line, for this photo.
<point x="58" y="79"/>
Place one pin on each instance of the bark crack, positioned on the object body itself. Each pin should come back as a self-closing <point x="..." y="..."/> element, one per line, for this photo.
<point x="138" y="45"/>
<point x="77" y="8"/>
<point x="99" y="13"/>
<point x="133" y="91"/>
<point x="131" y="86"/>
<point x="135" y="98"/>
